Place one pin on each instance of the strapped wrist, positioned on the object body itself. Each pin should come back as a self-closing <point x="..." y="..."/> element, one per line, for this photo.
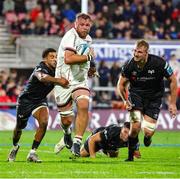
<point x="89" y="57"/>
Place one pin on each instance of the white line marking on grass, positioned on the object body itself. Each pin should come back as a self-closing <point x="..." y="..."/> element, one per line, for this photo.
<point x="43" y="151"/>
<point x="160" y="173"/>
<point x="50" y="173"/>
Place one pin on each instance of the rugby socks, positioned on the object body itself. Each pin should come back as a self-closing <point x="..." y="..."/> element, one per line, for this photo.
<point x="16" y="137"/>
<point x="32" y="151"/>
<point x="77" y="139"/>
<point x="15" y="142"/>
<point x="132" y="147"/>
<point x="66" y="129"/>
<point x="35" y="144"/>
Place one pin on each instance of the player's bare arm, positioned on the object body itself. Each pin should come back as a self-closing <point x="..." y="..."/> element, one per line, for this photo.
<point x="121" y="88"/>
<point x="92" y="143"/>
<point x="72" y="58"/>
<point x="173" y="96"/>
<point x="49" y="79"/>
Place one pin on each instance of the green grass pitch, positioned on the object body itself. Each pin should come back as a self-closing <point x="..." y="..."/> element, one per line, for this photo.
<point x="161" y="160"/>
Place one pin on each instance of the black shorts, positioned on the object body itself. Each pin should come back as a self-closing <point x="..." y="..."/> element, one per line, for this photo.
<point x="25" y="108"/>
<point x="148" y="106"/>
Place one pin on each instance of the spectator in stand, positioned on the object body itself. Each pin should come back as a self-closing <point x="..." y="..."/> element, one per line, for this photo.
<point x="30" y="4"/>
<point x="69" y="13"/>
<point x="173" y="61"/>
<point x="34" y="12"/>
<point x="104" y="73"/>
<point x="116" y="101"/>
<point x="4" y="98"/>
<point x="8" y="5"/>
<point x="39" y="23"/>
<point x="4" y="74"/>
<point x="114" y="73"/>
<point x="1" y="8"/>
<point x="111" y="18"/>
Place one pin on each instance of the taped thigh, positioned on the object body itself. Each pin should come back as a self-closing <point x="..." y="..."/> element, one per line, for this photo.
<point x="80" y="93"/>
<point x="148" y="125"/>
<point x="136" y="116"/>
<point x="66" y="110"/>
<point x="82" y="97"/>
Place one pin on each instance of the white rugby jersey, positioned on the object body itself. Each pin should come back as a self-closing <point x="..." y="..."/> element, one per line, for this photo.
<point x="75" y="73"/>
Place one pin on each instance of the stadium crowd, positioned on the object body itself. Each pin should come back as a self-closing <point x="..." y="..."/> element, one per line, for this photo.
<point x="113" y="19"/>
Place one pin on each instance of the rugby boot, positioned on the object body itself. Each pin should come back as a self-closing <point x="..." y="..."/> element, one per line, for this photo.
<point x="59" y="146"/>
<point x="147" y="141"/>
<point x="75" y="149"/>
<point x="13" y="153"/>
<point x="68" y="141"/>
<point x="33" y="157"/>
<point x="129" y="160"/>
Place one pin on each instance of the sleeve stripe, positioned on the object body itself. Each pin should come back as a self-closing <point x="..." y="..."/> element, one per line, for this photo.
<point x="166" y="65"/>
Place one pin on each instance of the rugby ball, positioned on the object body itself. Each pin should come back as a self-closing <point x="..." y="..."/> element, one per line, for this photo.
<point x="83" y="49"/>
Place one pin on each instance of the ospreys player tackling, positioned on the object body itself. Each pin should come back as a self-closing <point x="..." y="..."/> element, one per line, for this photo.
<point x="33" y="101"/>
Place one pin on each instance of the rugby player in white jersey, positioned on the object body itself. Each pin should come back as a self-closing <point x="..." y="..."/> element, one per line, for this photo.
<point x="74" y="58"/>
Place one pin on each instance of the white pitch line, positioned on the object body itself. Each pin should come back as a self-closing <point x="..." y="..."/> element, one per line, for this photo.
<point x="42" y="151"/>
<point x="159" y="172"/>
<point x="65" y="172"/>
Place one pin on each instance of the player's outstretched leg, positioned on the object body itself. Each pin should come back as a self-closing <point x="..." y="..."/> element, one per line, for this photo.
<point x="13" y="153"/>
<point x="59" y="146"/>
<point x="16" y="136"/>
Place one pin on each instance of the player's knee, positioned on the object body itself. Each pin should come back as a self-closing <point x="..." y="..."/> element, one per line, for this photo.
<point x="83" y="101"/>
<point x="21" y="124"/>
<point x="43" y="124"/>
<point x="66" y="121"/>
<point x="136" y="116"/>
<point x="148" y="127"/>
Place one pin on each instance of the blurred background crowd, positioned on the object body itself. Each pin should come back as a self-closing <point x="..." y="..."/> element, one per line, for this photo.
<point x="113" y="19"/>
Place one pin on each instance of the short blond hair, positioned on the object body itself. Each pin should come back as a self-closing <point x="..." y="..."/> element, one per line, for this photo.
<point x="83" y="16"/>
<point x="142" y="43"/>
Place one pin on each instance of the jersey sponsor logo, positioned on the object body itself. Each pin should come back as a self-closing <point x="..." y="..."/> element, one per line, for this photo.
<point x="169" y="70"/>
<point x="134" y="73"/>
<point x="166" y="65"/>
<point x="145" y="78"/>
<point x="155" y="116"/>
<point x="21" y="116"/>
<point x="151" y="71"/>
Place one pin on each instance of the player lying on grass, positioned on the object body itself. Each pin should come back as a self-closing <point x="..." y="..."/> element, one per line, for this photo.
<point x="107" y="139"/>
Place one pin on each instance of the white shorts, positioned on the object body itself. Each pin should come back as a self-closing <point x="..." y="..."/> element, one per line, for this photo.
<point x="64" y="95"/>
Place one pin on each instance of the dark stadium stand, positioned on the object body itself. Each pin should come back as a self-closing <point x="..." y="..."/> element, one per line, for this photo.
<point x="113" y="19"/>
